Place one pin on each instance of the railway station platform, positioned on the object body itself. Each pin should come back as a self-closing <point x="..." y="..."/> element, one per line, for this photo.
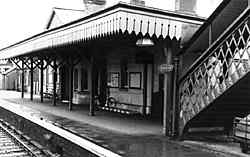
<point x="106" y="134"/>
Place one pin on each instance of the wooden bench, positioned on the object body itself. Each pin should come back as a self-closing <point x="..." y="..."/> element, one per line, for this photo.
<point x="114" y="106"/>
<point x="119" y="110"/>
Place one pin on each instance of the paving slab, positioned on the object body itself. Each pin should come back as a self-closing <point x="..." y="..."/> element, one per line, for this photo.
<point x="119" y="134"/>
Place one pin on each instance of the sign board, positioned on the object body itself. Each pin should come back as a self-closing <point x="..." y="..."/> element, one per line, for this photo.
<point x="135" y="80"/>
<point x="164" y="68"/>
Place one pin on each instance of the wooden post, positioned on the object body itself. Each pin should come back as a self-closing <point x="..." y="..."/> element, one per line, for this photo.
<point x="70" y="83"/>
<point x="22" y="77"/>
<point x="31" y="79"/>
<point x="167" y="90"/>
<point x="41" y="80"/>
<point x="145" y="89"/>
<point x="54" y="82"/>
<point x="103" y="84"/>
<point x="92" y="88"/>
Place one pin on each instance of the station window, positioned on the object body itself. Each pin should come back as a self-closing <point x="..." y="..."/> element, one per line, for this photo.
<point x="113" y="79"/>
<point x="75" y="79"/>
<point x="84" y="79"/>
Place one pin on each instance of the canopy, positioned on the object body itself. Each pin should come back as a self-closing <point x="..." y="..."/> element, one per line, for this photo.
<point x="121" y="17"/>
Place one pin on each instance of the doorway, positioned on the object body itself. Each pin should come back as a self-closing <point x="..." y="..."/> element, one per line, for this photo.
<point x="64" y="83"/>
<point x="158" y="100"/>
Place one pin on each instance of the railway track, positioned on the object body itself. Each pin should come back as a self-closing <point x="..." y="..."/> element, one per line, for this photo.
<point x="14" y="144"/>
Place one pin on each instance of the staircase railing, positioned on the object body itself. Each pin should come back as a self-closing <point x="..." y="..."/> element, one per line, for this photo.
<point x="216" y="70"/>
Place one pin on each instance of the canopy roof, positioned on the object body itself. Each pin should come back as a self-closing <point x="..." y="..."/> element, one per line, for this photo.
<point x="122" y="17"/>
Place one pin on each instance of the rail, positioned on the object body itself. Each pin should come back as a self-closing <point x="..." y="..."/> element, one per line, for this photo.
<point x="216" y="70"/>
<point x="20" y="143"/>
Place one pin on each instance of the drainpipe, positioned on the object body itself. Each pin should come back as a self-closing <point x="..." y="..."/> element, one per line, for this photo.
<point x="175" y="111"/>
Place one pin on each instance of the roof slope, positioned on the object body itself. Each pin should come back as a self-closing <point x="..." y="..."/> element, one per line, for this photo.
<point x="61" y="16"/>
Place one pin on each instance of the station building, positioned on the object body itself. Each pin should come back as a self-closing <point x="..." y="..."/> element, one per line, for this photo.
<point x="130" y="74"/>
<point x="124" y="58"/>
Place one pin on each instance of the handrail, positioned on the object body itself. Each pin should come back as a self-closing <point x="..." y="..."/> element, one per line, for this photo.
<point x="226" y="34"/>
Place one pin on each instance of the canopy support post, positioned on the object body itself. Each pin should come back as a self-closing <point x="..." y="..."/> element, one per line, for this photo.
<point x="41" y="79"/>
<point x="54" y="82"/>
<point x="31" y="78"/>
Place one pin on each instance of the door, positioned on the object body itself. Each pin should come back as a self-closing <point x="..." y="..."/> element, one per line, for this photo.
<point x="64" y="83"/>
<point x="158" y="100"/>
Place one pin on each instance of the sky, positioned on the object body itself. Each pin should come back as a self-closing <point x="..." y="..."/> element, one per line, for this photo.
<point x="21" y="19"/>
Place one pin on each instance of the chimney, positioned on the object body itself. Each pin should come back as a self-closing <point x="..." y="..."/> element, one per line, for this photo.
<point x="186" y="6"/>
<point x="137" y="2"/>
<point x="92" y="6"/>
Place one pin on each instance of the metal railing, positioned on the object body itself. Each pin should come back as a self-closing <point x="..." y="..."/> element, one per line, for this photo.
<point x="218" y="68"/>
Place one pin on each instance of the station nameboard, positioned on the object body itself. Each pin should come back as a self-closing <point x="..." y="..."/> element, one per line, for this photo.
<point x="164" y="68"/>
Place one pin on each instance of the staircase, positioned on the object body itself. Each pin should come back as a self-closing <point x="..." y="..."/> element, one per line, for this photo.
<point x="216" y="88"/>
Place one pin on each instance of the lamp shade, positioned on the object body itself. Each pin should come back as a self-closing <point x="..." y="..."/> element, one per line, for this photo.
<point x="144" y="42"/>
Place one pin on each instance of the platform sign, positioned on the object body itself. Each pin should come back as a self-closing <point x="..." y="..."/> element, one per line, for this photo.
<point x="164" y="68"/>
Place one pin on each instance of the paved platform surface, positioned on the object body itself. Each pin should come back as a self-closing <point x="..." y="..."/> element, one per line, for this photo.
<point x="128" y="136"/>
<point x="226" y="148"/>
